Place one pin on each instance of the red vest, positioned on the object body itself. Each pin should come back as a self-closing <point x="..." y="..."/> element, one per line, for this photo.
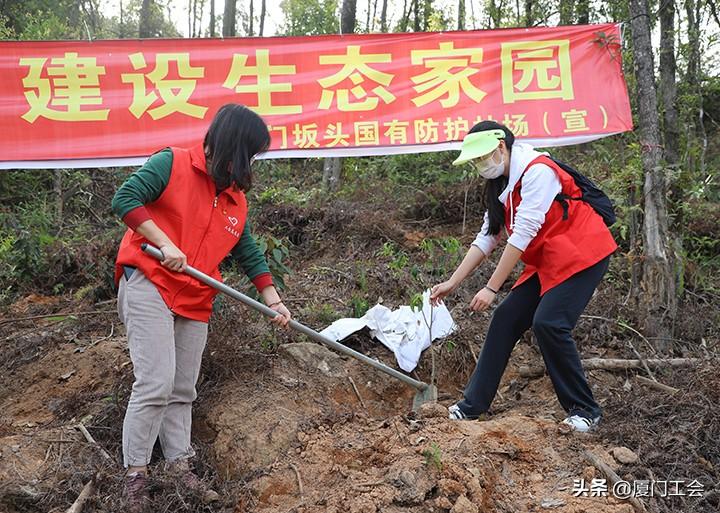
<point x="562" y="248"/>
<point x="204" y="225"/>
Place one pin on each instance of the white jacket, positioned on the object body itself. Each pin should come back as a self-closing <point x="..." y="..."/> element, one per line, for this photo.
<point x="539" y="185"/>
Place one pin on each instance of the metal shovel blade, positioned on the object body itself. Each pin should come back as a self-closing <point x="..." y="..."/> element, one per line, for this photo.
<point x="428" y="395"/>
<point x="425" y="392"/>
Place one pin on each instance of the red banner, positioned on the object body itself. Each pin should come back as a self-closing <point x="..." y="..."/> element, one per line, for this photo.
<point x="75" y="103"/>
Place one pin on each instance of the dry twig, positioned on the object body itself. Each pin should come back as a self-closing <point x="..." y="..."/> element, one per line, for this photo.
<point x="85" y="494"/>
<point x="90" y="439"/>
<point x="612" y="477"/>
<point x="299" y="479"/>
<point x="357" y="392"/>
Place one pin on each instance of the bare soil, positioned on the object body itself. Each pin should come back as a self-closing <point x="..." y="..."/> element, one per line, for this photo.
<point x="284" y="425"/>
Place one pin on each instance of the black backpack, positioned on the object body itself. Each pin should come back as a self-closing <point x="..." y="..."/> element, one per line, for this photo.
<point x="591" y="194"/>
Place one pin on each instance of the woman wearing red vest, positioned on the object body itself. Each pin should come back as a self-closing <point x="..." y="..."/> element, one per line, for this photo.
<point x="565" y="258"/>
<point x="191" y="204"/>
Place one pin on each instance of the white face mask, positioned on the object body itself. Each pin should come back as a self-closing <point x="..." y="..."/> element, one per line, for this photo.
<point x="489" y="168"/>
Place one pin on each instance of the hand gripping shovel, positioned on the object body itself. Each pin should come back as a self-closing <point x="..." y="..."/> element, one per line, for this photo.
<point x="425" y="392"/>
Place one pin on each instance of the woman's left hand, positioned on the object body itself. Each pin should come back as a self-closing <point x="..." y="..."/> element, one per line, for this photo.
<point x="283" y="319"/>
<point x="482" y="300"/>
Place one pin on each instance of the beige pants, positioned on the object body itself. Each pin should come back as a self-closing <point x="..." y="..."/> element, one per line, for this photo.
<point x="166" y="351"/>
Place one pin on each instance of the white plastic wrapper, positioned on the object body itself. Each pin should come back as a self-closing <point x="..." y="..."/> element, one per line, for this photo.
<point x="404" y="331"/>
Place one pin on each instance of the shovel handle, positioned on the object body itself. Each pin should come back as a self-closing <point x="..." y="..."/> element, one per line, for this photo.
<point x="255" y="305"/>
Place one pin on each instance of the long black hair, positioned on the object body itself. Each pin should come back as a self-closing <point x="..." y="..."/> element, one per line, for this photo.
<point x="235" y="136"/>
<point x="493" y="188"/>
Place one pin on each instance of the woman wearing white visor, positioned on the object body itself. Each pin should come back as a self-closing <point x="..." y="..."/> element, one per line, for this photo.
<point x="565" y="246"/>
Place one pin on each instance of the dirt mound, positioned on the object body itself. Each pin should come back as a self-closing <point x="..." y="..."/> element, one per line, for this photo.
<point x="508" y="464"/>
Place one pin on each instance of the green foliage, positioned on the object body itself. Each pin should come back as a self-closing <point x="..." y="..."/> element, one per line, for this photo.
<point x="416" y="301"/>
<point x="361" y="281"/>
<point x="276" y="253"/>
<point x="433" y="456"/>
<point x="309" y="17"/>
<point x="319" y="314"/>
<point x="443" y="255"/>
<point x="359" y="305"/>
<point x="45" y="20"/>
<point x="286" y="195"/>
<point x="417" y="170"/>
<point x="158" y="24"/>
<point x="399" y="259"/>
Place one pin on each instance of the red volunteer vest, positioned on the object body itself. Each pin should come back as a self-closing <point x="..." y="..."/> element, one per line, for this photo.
<point x="204" y="225"/>
<point x="562" y="248"/>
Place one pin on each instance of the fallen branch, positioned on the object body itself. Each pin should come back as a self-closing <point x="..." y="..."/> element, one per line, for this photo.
<point x="47" y="316"/>
<point x="90" y="439"/>
<point x="357" y="392"/>
<point x="612" y="477"/>
<point x="527" y="371"/>
<point x="85" y="494"/>
<point x="642" y="360"/>
<point x="656" y="385"/>
<point x="299" y="480"/>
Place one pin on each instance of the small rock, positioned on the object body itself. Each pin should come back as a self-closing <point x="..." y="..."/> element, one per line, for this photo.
<point x="66" y="376"/>
<point x="443" y="503"/>
<point x="301" y="436"/>
<point x="463" y="505"/>
<point x="624" y="455"/>
<point x="433" y="410"/>
<point x="210" y="496"/>
<point x="536" y="478"/>
<point x="315" y="356"/>
<point x="549" y="503"/>
<point x="407" y="477"/>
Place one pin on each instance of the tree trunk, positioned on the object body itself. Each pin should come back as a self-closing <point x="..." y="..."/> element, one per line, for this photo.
<point x="668" y="85"/>
<point x="427" y="13"/>
<point x="229" y="16"/>
<point x="347" y="17"/>
<point x="121" y="29"/>
<point x="461" y="15"/>
<point x="566" y="12"/>
<point x="374" y="16"/>
<point x="383" y="17"/>
<point x="190" y="18"/>
<point x="495" y="14"/>
<point x="658" y="283"/>
<point x="144" y="29"/>
<point x="406" y="16"/>
<point x="251" y="28"/>
<point x="416" y="16"/>
<point x="529" y="19"/>
<point x="367" y="17"/>
<point x="332" y="166"/>
<point x="696" y="135"/>
<point x="262" y="18"/>
<point x="582" y="11"/>
<point x="212" y="18"/>
<point x="59" y="199"/>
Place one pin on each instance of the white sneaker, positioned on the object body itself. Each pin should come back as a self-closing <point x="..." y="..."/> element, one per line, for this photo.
<point x="581" y="424"/>
<point x="455" y="413"/>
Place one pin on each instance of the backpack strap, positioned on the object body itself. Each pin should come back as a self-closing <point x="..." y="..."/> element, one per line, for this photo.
<point x="561" y="197"/>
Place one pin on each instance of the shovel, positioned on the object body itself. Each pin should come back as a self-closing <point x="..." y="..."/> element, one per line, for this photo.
<point x="425" y="392"/>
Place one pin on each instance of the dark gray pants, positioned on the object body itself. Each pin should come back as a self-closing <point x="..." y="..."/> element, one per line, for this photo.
<point x="552" y="317"/>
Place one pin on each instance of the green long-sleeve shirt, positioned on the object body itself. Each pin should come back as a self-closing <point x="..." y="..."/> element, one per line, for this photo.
<point x="147" y="184"/>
